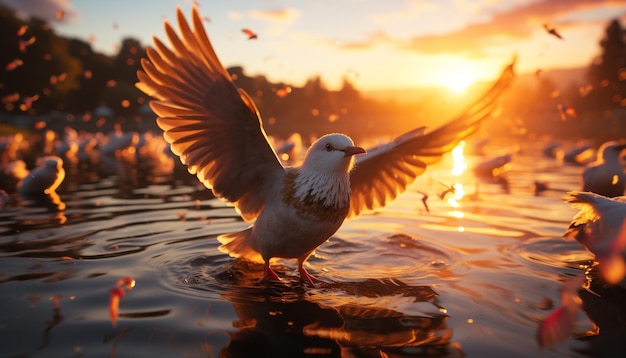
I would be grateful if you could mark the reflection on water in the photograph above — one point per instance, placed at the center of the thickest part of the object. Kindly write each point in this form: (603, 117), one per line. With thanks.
(472, 276)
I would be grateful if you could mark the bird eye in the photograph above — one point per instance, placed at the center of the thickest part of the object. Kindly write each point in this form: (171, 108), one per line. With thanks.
(328, 147)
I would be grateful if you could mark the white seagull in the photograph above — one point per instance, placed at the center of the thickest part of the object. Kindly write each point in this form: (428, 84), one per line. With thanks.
(45, 178)
(216, 130)
(600, 226)
(606, 175)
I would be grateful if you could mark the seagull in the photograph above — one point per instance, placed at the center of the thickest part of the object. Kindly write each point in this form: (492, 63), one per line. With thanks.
(550, 150)
(217, 131)
(251, 34)
(581, 155)
(552, 31)
(606, 175)
(600, 226)
(493, 167)
(45, 178)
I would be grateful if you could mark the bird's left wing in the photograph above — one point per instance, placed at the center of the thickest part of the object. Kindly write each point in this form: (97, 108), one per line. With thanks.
(213, 126)
(387, 170)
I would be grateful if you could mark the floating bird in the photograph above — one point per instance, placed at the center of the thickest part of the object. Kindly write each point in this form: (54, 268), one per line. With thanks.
(478, 147)
(45, 178)
(251, 34)
(552, 31)
(493, 167)
(600, 226)
(551, 149)
(216, 130)
(118, 143)
(581, 154)
(606, 175)
(12, 173)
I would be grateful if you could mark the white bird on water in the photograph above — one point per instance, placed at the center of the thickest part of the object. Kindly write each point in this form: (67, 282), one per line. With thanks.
(600, 226)
(45, 178)
(606, 175)
(216, 130)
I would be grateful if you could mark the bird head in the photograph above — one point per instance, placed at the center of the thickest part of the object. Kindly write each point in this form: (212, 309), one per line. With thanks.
(611, 150)
(332, 153)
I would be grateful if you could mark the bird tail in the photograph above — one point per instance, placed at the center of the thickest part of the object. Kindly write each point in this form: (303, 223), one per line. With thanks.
(239, 244)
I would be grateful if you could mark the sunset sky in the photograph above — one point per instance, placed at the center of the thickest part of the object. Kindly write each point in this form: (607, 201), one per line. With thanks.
(375, 44)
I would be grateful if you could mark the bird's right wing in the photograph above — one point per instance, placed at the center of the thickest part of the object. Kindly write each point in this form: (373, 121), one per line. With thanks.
(387, 170)
(213, 126)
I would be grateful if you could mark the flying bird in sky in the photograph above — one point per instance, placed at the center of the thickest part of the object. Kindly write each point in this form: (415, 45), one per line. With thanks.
(216, 130)
(552, 31)
(251, 34)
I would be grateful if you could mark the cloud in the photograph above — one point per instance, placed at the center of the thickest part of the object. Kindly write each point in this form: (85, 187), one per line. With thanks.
(285, 16)
(515, 24)
(496, 27)
(43, 9)
(235, 15)
(278, 20)
(373, 40)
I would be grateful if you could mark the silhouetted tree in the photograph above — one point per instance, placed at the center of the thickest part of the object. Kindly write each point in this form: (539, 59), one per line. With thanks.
(607, 76)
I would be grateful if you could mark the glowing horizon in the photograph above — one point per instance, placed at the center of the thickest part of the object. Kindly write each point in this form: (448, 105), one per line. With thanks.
(374, 45)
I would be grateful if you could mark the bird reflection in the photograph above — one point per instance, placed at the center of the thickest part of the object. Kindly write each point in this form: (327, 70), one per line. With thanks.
(279, 320)
(605, 305)
(51, 201)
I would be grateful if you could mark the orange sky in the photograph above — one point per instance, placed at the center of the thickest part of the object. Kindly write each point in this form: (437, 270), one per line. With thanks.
(375, 44)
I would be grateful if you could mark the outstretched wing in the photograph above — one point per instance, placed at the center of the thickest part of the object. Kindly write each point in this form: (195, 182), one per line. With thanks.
(387, 170)
(213, 126)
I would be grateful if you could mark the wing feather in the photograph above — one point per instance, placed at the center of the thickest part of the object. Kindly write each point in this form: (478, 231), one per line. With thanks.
(213, 126)
(387, 170)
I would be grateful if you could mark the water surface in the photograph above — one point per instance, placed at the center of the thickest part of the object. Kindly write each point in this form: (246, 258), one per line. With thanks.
(471, 277)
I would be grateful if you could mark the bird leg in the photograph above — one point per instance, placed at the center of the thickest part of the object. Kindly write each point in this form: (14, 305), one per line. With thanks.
(269, 274)
(304, 274)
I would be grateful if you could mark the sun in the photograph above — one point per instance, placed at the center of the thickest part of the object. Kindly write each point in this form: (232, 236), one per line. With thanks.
(458, 81)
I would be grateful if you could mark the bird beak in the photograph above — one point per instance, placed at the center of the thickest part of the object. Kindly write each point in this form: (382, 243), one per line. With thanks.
(350, 151)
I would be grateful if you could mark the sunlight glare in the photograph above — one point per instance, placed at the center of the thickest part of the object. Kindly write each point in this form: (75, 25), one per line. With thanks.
(458, 166)
(457, 81)
(459, 192)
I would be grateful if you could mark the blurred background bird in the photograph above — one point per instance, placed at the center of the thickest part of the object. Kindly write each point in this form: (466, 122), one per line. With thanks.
(606, 175)
(45, 178)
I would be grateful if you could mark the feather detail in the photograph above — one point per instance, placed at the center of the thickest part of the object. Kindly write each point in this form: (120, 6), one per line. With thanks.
(317, 196)
(239, 244)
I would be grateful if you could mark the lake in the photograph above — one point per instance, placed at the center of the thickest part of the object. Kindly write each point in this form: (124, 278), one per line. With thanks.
(470, 276)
